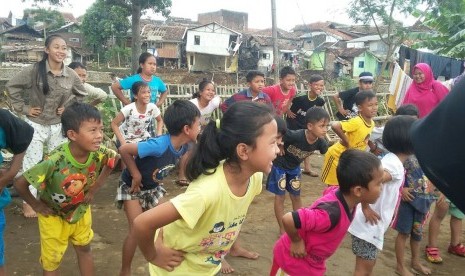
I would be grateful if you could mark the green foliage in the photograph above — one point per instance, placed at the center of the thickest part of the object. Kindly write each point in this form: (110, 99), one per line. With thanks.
(51, 19)
(118, 55)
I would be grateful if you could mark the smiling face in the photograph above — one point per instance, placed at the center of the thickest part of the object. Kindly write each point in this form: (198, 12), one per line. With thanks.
(369, 108)
(418, 76)
(89, 137)
(316, 87)
(56, 50)
(143, 95)
(208, 92)
(261, 156)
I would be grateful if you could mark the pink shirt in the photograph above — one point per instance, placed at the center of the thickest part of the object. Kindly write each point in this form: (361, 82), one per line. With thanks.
(323, 227)
(277, 97)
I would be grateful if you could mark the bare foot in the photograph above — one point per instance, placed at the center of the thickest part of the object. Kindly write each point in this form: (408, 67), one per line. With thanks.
(239, 251)
(421, 269)
(403, 272)
(28, 212)
(226, 268)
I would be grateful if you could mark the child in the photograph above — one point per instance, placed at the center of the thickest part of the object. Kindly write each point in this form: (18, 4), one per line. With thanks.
(67, 181)
(313, 234)
(15, 135)
(295, 116)
(139, 188)
(281, 94)
(298, 144)
(206, 101)
(372, 220)
(137, 117)
(41, 92)
(354, 133)
(256, 82)
(145, 73)
(196, 229)
(94, 95)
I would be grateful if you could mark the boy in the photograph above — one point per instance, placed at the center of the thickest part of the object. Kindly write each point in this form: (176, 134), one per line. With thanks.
(345, 100)
(354, 133)
(15, 135)
(67, 181)
(298, 144)
(95, 95)
(313, 234)
(140, 185)
(281, 94)
(256, 82)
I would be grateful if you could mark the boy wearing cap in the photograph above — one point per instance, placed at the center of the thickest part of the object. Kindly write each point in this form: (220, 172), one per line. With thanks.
(345, 100)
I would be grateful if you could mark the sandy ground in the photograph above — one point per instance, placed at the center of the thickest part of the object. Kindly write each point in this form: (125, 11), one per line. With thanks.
(259, 233)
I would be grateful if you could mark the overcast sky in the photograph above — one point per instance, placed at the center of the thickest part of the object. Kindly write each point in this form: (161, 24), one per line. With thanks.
(289, 12)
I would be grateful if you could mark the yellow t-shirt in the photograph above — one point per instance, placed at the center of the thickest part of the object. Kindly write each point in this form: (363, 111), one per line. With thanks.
(357, 131)
(212, 217)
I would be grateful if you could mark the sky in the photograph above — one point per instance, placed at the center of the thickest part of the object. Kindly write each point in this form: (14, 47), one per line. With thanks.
(289, 12)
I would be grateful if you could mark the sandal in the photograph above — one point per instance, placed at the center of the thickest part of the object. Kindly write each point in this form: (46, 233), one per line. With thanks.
(433, 255)
(310, 173)
(458, 250)
(182, 182)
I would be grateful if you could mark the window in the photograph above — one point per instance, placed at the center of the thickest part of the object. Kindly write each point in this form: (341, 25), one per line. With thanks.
(266, 56)
(361, 64)
(196, 39)
(191, 60)
(74, 39)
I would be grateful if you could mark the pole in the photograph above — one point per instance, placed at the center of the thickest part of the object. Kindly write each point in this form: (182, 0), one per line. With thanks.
(274, 25)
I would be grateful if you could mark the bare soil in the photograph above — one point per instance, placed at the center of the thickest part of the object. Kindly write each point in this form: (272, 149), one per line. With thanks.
(259, 233)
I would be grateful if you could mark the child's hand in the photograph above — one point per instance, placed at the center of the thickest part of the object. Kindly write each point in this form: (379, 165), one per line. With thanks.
(135, 186)
(406, 195)
(298, 249)
(290, 114)
(42, 208)
(371, 216)
(166, 258)
(60, 110)
(34, 111)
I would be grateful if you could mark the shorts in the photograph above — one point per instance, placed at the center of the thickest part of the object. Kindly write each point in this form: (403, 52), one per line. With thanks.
(56, 233)
(454, 211)
(328, 173)
(2, 241)
(280, 180)
(364, 249)
(409, 221)
(148, 199)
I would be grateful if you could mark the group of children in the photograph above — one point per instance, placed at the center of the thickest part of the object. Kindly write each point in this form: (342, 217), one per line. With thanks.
(191, 233)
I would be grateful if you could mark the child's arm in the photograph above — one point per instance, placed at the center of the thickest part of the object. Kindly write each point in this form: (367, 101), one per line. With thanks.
(371, 216)
(159, 125)
(145, 226)
(337, 128)
(162, 98)
(118, 91)
(113, 158)
(297, 244)
(7, 175)
(128, 151)
(115, 123)
(21, 186)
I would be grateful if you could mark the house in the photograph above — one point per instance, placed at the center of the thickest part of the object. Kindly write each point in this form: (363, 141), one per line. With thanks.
(6, 22)
(371, 42)
(212, 47)
(315, 34)
(21, 44)
(230, 19)
(19, 34)
(165, 42)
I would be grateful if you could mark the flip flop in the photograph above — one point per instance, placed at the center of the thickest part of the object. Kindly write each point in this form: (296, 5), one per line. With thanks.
(182, 182)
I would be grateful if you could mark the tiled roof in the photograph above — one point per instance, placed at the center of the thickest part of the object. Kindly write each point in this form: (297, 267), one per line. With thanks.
(283, 44)
(162, 33)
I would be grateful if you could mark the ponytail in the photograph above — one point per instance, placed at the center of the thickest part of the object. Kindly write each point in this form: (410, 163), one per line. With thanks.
(202, 86)
(42, 66)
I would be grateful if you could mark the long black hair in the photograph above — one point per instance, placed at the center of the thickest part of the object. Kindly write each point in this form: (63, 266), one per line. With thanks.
(242, 123)
(41, 65)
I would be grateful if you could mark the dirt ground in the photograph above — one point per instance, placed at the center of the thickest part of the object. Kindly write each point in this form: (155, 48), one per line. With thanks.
(258, 233)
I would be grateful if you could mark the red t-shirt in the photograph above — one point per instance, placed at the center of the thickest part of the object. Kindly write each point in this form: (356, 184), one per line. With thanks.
(278, 99)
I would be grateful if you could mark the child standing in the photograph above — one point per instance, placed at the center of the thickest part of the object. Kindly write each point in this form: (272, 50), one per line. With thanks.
(95, 95)
(196, 229)
(206, 101)
(295, 116)
(145, 73)
(281, 94)
(15, 135)
(313, 234)
(41, 92)
(139, 188)
(354, 133)
(298, 144)
(256, 82)
(67, 182)
(372, 220)
(137, 117)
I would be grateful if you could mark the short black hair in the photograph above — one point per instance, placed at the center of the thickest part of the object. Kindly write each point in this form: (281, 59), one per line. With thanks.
(252, 74)
(77, 113)
(356, 168)
(286, 70)
(179, 114)
(76, 64)
(315, 114)
(315, 78)
(407, 109)
(282, 127)
(396, 134)
(362, 96)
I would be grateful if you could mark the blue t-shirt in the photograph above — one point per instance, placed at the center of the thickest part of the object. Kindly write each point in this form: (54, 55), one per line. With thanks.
(156, 158)
(156, 85)
(4, 195)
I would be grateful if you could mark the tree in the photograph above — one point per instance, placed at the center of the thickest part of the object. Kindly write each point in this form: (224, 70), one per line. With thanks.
(382, 13)
(51, 19)
(103, 22)
(136, 7)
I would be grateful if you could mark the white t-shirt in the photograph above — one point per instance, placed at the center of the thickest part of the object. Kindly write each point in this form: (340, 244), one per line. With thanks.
(136, 125)
(207, 112)
(385, 206)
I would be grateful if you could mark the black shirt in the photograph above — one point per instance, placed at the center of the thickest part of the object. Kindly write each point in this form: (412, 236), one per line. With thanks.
(348, 103)
(299, 107)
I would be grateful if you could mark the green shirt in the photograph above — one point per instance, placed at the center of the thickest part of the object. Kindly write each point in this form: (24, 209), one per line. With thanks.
(63, 183)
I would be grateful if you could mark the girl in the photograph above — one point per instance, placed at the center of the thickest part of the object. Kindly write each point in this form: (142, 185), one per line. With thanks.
(145, 73)
(50, 87)
(371, 221)
(206, 100)
(196, 229)
(137, 117)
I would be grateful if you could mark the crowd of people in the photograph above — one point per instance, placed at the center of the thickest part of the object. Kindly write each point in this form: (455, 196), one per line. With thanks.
(373, 179)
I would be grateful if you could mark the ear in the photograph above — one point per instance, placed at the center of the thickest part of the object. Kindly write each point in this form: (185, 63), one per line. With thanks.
(357, 191)
(242, 151)
(71, 134)
(309, 126)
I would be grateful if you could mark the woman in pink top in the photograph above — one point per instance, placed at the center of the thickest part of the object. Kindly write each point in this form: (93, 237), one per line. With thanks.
(425, 92)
